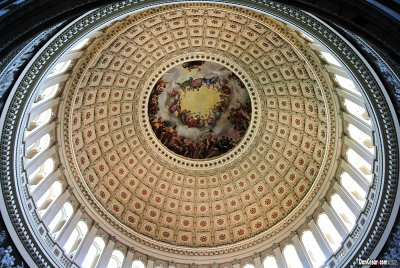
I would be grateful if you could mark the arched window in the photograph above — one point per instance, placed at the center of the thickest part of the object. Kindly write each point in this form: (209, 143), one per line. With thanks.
(47, 93)
(249, 266)
(313, 250)
(347, 216)
(60, 219)
(94, 253)
(360, 137)
(76, 237)
(39, 120)
(38, 147)
(359, 163)
(329, 58)
(291, 257)
(40, 173)
(59, 68)
(49, 197)
(270, 262)
(352, 187)
(357, 111)
(137, 264)
(329, 231)
(116, 260)
(346, 83)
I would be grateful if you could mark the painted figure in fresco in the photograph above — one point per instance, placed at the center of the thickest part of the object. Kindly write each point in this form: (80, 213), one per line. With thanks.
(191, 65)
(231, 110)
(210, 81)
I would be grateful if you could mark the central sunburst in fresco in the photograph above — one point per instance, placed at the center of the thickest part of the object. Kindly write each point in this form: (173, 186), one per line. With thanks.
(199, 109)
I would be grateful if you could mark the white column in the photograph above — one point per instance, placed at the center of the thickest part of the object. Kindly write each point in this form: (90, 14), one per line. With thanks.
(85, 245)
(54, 208)
(42, 107)
(347, 199)
(280, 260)
(355, 174)
(358, 123)
(128, 259)
(317, 47)
(71, 55)
(363, 152)
(106, 255)
(43, 186)
(36, 135)
(337, 70)
(31, 165)
(321, 239)
(351, 96)
(150, 263)
(54, 80)
(301, 251)
(336, 221)
(257, 260)
(70, 226)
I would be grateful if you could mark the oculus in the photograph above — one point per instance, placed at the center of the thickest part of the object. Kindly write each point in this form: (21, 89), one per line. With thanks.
(199, 109)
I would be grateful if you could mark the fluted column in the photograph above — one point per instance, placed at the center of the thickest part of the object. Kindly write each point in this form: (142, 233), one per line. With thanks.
(128, 259)
(280, 260)
(41, 189)
(301, 251)
(336, 221)
(236, 263)
(350, 202)
(150, 263)
(31, 165)
(70, 226)
(171, 264)
(37, 134)
(360, 150)
(106, 255)
(54, 208)
(320, 238)
(85, 245)
(355, 174)
(257, 260)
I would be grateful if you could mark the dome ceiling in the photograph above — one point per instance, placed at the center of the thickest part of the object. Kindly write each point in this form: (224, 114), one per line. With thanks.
(253, 70)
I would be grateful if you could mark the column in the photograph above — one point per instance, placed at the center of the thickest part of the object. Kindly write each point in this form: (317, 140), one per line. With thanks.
(280, 260)
(351, 96)
(320, 238)
(54, 80)
(36, 135)
(257, 260)
(364, 153)
(301, 251)
(334, 218)
(364, 127)
(355, 174)
(31, 165)
(70, 226)
(347, 199)
(236, 263)
(150, 263)
(71, 55)
(106, 255)
(42, 107)
(43, 186)
(86, 243)
(337, 70)
(171, 264)
(128, 258)
(54, 208)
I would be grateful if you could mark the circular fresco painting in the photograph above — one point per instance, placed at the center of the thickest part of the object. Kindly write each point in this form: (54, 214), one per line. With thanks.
(199, 109)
